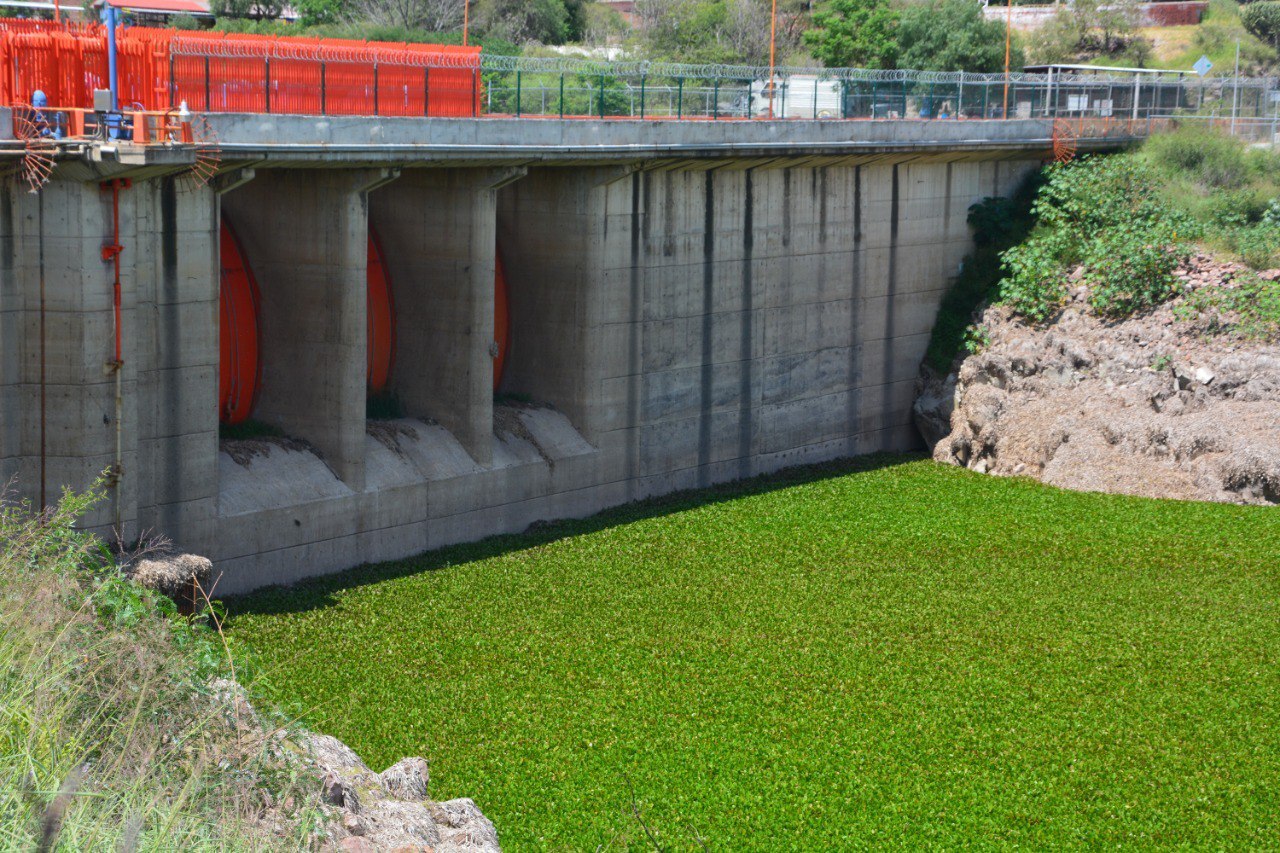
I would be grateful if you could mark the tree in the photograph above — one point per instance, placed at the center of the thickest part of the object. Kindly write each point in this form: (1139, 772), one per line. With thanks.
(257, 9)
(313, 12)
(1262, 20)
(952, 35)
(432, 15)
(602, 25)
(520, 21)
(855, 33)
(1084, 29)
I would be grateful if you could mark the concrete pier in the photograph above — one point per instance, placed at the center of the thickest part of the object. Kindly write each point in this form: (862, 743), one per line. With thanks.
(691, 303)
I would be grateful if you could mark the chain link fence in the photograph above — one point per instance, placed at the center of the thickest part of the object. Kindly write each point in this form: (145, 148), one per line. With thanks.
(565, 87)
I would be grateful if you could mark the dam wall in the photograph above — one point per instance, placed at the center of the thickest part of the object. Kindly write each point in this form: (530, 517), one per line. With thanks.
(679, 313)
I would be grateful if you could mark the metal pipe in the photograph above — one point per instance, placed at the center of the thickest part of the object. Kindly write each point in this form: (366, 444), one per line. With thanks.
(112, 79)
(111, 253)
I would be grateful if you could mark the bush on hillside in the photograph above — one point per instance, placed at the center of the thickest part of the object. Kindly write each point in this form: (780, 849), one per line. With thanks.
(111, 735)
(1208, 156)
(1258, 245)
(1262, 20)
(1105, 214)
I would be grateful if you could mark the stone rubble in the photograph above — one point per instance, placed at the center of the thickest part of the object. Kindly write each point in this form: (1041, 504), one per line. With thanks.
(1159, 404)
(368, 812)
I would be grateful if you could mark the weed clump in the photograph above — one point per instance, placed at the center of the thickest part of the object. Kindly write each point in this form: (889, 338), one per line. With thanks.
(114, 731)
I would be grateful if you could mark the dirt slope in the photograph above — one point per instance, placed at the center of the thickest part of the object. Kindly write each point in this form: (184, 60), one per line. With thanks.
(1173, 403)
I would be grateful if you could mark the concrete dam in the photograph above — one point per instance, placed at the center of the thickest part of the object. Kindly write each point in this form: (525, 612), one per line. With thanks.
(552, 317)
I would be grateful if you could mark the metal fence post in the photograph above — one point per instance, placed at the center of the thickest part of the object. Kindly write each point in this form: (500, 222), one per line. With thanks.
(601, 96)
(375, 88)
(426, 90)
(679, 97)
(208, 101)
(323, 86)
(715, 104)
(266, 84)
(517, 93)
(561, 94)
(642, 87)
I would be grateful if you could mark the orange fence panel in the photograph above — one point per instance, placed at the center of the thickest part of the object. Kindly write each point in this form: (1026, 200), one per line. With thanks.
(237, 72)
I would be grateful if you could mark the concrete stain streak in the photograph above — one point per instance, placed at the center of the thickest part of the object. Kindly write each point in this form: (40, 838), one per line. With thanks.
(708, 319)
(745, 425)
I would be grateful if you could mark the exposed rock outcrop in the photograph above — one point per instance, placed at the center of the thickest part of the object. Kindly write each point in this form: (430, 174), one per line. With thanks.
(363, 811)
(1164, 404)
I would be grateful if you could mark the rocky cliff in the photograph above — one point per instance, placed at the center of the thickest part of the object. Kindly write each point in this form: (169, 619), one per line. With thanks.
(1179, 402)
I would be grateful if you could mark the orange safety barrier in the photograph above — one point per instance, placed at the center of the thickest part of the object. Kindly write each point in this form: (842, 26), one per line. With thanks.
(501, 320)
(239, 335)
(237, 72)
(381, 318)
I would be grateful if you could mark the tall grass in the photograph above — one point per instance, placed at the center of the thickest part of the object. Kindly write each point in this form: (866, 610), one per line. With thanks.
(112, 735)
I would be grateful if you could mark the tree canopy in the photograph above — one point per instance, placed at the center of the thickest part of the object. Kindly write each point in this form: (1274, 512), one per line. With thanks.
(859, 33)
(952, 35)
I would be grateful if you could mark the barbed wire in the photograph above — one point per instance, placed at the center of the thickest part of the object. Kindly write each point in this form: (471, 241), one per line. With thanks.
(643, 69)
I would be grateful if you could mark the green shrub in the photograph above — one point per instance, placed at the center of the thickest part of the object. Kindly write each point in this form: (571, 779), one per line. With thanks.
(1207, 156)
(1236, 208)
(1107, 214)
(1262, 20)
(1131, 269)
(1254, 301)
(1271, 216)
(1036, 280)
(1258, 246)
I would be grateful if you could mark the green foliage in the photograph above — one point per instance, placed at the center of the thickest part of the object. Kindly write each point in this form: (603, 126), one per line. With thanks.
(314, 12)
(976, 339)
(1107, 214)
(997, 224)
(1252, 307)
(1258, 245)
(184, 22)
(952, 35)
(520, 21)
(1271, 216)
(1262, 20)
(1228, 189)
(1130, 268)
(365, 31)
(1208, 156)
(106, 696)
(1036, 280)
(821, 661)
(860, 33)
(255, 9)
(1088, 29)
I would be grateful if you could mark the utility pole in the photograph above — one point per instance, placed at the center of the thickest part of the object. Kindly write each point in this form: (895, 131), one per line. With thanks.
(1008, 35)
(773, 47)
(1235, 94)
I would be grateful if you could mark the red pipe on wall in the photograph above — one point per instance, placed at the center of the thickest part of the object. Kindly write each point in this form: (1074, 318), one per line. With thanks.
(111, 254)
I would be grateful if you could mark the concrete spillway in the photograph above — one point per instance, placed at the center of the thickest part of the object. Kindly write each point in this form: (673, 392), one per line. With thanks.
(689, 304)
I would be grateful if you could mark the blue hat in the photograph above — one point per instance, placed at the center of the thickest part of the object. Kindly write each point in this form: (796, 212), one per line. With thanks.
(39, 99)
